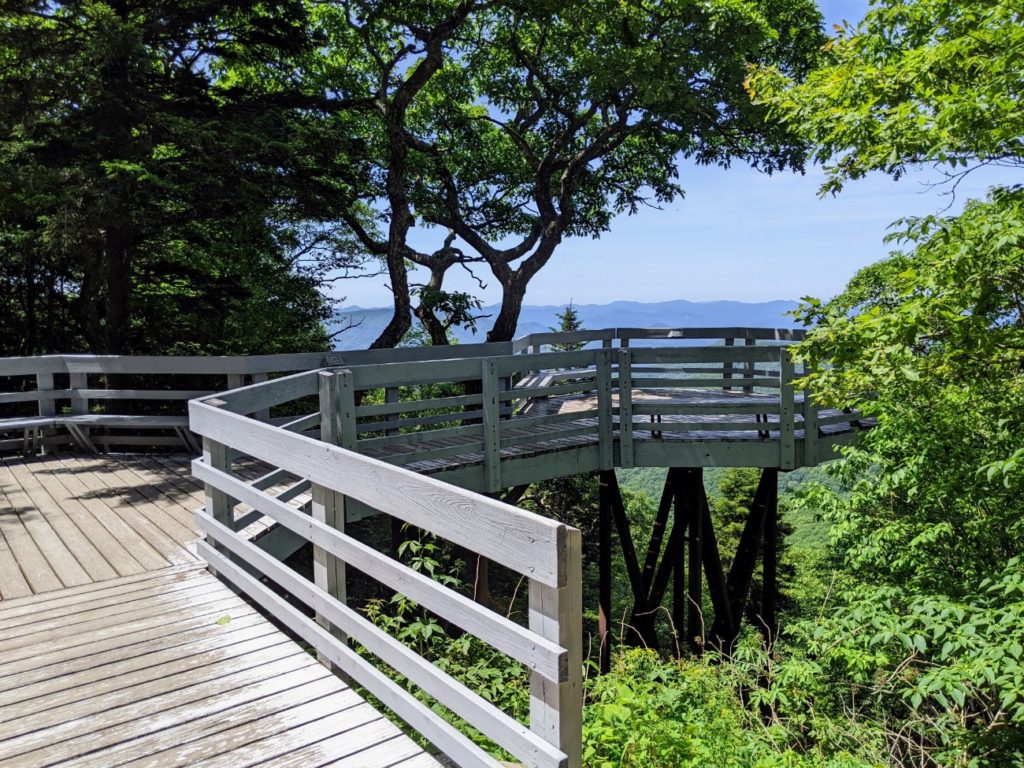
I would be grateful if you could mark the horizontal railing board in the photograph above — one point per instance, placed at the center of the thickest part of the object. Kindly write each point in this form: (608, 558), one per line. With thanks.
(643, 355)
(266, 394)
(428, 723)
(764, 334)
(646, 408)
(528, 544)
(422, 421)
(141, 394)
(545, 361)
(192, 364)
(415, 406)
(345, 358)
(414, 374)
(705, 426)
(640, 382)
(35, 395)
(504, 730)
(300, 423)
(29, 366)
(537, 653)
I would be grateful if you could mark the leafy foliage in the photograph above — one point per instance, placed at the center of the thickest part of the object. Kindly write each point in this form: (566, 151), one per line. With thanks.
(916, 82)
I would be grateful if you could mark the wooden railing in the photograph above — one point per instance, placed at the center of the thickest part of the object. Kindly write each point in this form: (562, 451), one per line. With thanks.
(426, 414)
(422, 407)
(101, 401)
(543, 551)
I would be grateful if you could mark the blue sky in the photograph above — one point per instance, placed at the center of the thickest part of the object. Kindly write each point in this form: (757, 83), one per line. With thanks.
(737, 235)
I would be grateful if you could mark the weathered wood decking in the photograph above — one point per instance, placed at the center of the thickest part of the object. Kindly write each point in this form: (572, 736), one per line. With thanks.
(118, 648)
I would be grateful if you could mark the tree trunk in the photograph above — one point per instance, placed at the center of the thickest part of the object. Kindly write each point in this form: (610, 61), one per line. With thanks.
(512, 293)
(117, 264)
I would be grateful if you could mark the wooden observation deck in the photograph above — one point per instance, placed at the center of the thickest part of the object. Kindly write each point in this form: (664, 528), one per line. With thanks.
(118, 648)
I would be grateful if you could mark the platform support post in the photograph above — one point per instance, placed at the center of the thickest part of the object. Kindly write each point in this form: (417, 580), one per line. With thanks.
(769, 573)
(604, 571)
(695, 586)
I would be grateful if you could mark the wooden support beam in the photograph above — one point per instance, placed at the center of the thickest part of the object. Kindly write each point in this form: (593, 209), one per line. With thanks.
(658, 531)
(770, 566)
(742, 570)
(724, 624)
(604, 569)
(695, 591)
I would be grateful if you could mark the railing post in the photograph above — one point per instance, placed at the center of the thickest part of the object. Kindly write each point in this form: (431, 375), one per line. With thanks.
(329, 506)
(264, 413)
(44, 383)
(749, 367)
(391, 396)
(76, 383)
(810, 427)
(556, 613)
(727, 367)
(787, 443)
(625, 408)
(46, 407)
(491, 423)
(605, 420)
(218, 504)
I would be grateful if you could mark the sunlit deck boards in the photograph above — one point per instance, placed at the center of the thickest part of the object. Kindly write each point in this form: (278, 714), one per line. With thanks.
(66, 521)
(172, 669)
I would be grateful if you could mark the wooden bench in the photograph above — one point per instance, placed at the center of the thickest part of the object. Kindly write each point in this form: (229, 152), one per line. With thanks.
(77, 425)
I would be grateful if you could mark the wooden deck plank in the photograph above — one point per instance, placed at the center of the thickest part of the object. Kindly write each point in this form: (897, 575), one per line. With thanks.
(163, 687)
(368, 746)
(36, 571)
(18, 659)
(12, 581)
(84, 701)
(147, 705)
(94, 563)
(190, 721)
(144, 522)
(158, 489)
(35, 603)
(254, 745)
(58, 554)
(168, 649)
(167, 635)
(16, 623)
(175, 522)
(175, 464)
(380, 755)
(34, 480)
(100, 619)
(73, 494)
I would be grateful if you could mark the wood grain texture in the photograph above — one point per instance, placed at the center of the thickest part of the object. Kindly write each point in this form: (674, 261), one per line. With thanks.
(196, 677)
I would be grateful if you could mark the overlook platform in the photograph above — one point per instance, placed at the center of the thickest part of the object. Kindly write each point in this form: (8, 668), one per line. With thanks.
(101, 553)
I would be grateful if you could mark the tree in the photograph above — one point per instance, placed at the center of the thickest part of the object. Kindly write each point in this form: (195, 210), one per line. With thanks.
(917, 82)
(149, 204)
(568, 322)
(509, 126)
(930, 342)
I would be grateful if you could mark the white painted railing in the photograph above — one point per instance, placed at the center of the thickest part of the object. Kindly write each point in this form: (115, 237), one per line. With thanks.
(547, 553)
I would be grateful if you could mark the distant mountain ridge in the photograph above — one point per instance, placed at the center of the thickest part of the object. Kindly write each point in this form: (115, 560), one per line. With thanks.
(619, 314)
